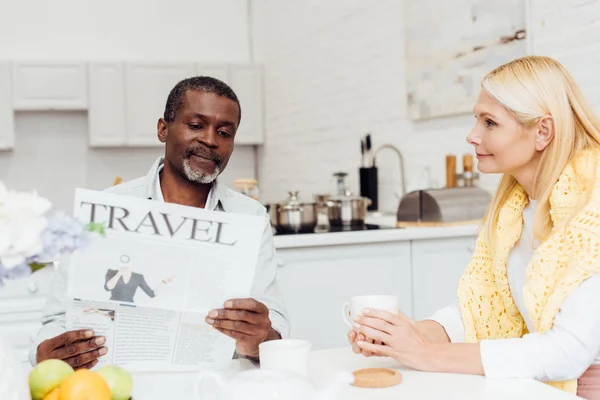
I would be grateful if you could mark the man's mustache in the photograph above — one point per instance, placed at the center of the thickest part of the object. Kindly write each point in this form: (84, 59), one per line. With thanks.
(204, 153)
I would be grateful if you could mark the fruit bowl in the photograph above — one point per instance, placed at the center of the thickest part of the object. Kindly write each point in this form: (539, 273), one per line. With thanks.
(51, 377)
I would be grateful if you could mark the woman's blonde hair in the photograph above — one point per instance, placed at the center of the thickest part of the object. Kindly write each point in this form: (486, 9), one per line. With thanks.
(530, 88)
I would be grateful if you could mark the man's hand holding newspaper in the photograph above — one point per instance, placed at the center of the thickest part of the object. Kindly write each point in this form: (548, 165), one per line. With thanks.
(245, 320)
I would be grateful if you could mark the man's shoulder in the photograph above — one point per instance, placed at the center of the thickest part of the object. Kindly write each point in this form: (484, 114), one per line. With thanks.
(239, 203)
(135, 187)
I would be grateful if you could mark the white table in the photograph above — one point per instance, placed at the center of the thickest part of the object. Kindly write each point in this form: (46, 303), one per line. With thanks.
(324, 364)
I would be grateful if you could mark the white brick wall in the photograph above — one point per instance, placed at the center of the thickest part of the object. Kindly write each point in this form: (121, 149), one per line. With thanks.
(335, 70)
(569, 30)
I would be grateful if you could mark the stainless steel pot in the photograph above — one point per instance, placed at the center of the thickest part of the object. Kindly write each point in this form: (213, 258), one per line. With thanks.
(293, 216)
(347, 211)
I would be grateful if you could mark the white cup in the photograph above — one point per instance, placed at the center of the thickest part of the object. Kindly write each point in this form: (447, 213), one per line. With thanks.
(356, 305)
(285, 355)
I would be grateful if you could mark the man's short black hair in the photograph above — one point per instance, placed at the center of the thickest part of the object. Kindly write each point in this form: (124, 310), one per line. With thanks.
(200, 83)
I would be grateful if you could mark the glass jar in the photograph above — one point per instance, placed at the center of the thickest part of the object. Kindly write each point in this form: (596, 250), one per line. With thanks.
(248, 187)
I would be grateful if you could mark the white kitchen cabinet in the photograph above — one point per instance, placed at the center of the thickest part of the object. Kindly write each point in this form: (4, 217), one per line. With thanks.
(147, 87)
(21, 304)
(106, 116)
(437, 266)
(316, 282)
(247, 83)
(50, 86)
(7, 124)
(124, 100)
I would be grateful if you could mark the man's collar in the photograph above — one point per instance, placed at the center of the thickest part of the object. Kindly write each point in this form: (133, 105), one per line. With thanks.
(216, 197)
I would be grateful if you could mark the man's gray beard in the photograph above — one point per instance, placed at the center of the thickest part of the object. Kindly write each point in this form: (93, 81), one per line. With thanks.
(199, 176)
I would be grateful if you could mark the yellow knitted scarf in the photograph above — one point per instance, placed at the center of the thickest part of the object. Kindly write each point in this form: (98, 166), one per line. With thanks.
(565, 259)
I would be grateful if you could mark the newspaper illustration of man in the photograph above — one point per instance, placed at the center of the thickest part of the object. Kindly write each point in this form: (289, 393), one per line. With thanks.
(123, 283)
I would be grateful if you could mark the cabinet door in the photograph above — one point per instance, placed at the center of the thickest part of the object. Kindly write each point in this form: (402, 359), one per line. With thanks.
(316, 282)
(106, 114)
(247, 82)
(147, 89)
(437, 266)
(50, 86)
(7, 125)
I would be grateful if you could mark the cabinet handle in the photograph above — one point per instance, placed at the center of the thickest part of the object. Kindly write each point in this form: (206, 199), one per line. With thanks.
(32, 288)
(471, 248)
(279, 262)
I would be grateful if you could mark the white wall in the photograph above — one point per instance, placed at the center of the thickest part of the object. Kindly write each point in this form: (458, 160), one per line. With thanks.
(335, 70)
(182, 30)
(51, 152)
(569, 31)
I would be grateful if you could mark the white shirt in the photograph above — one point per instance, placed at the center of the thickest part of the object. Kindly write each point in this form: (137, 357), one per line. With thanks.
(562, 353)
(264, 287)
(212, 202)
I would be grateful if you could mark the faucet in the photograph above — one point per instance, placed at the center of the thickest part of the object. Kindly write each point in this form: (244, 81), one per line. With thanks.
(400, 160)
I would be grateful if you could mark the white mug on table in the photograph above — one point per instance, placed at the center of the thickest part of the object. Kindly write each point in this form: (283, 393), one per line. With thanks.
(290, 355)
(354, 308)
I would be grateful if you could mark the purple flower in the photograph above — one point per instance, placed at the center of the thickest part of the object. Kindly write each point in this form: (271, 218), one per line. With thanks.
(62, 235)
(13, 273)
(31, 234)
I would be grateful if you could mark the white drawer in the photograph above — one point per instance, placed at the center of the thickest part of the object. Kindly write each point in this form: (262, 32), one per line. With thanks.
(21, 318)
(17, 306)
(35, 285)
(19, 334)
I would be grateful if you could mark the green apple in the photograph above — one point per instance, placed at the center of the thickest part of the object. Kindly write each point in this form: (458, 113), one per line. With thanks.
(46, 376)
(119, 381)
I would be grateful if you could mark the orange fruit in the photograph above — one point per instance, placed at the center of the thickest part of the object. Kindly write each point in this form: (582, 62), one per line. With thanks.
(53, 395)
(84, 385)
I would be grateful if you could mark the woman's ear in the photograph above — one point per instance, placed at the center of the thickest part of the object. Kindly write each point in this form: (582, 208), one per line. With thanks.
(545, 133)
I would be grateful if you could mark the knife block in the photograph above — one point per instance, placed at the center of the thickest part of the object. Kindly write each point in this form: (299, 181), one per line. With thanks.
(369, 187)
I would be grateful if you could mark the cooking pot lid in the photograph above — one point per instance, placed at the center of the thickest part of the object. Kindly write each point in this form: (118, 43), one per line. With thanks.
(292, 202)
(347, 196)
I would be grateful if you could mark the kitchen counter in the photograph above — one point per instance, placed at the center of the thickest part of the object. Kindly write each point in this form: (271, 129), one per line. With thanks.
(325, 364)
(318, 272)
(385, 234)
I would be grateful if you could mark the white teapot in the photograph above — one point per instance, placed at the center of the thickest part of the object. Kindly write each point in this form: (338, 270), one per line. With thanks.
(260, 384)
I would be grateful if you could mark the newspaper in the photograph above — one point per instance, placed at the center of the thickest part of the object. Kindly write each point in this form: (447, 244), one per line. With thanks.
(149, 283)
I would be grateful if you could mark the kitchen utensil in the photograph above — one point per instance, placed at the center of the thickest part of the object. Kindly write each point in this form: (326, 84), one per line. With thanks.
(321, 201)
(369, 186)
(293, 215)
(362, 153)
(346, 210)
(370, 160)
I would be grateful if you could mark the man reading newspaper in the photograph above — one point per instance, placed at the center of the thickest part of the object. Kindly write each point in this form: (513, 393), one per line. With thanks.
(198, 129)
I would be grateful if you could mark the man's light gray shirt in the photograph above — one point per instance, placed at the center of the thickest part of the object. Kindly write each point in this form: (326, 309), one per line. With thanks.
(264, 288)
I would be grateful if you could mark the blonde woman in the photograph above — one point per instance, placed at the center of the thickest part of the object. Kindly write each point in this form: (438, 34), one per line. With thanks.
(529, 301)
